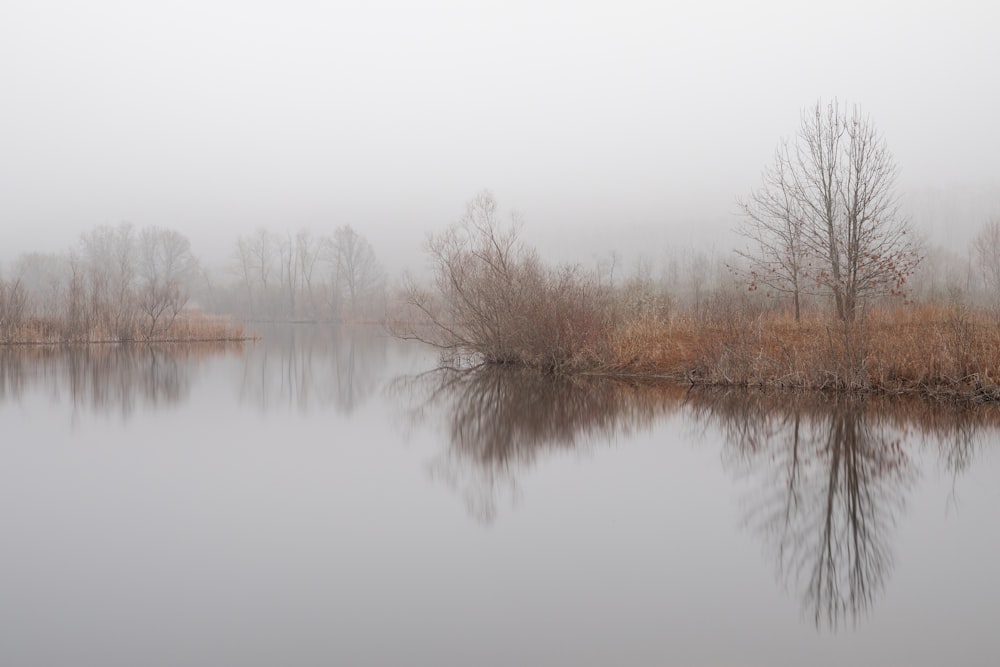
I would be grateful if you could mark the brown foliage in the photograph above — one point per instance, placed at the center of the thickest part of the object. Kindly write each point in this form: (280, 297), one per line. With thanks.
(493, 300)
(947, 351)
(185, 327)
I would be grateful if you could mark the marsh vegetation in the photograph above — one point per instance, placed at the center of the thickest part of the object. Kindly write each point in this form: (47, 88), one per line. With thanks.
(831, 291)
(494, 301)
(828, 294)
(316, 455)
(830, 473)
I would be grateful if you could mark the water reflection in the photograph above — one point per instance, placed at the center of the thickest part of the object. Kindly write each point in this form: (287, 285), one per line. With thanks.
(826, 479)
(301, 367)
(499, 421)
(104, 378)
(307, 366)
(833, 475)
(829, 475)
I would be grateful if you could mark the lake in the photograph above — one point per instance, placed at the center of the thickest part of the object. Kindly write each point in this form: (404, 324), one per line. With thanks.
(324, 496)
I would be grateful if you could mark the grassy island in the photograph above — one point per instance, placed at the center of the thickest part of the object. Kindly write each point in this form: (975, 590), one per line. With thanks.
(185, 327)
(493, 301)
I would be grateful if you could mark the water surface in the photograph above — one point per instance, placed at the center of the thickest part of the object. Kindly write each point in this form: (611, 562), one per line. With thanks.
(324, 497)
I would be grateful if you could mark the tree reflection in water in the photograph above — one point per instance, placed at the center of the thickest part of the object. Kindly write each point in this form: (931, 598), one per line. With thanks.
(835, 472)
(105, 378)
(300, 366)
(305, 366)
(832, 471)
(500, 420)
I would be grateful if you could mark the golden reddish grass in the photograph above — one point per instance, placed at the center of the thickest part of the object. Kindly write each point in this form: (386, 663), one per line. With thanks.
(936, 347)
(198, 327)
(187, 327)
(932, 349)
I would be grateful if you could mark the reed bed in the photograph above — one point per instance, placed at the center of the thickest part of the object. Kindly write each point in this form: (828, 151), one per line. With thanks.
(936, 350)
(185, 328)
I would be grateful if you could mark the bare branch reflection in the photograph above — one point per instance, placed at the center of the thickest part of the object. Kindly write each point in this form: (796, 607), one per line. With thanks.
(313, 366)
(834, 475)
(500, 421)
(105, 378)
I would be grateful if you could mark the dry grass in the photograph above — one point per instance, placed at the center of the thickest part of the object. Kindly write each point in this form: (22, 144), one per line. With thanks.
(939, 350)
(197, 327)
(186, 328)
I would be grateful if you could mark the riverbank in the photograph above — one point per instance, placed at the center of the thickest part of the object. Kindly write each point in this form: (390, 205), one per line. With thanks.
(184, 328)
(946, 352)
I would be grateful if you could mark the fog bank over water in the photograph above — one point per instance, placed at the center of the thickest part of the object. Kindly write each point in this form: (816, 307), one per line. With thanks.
(632, 125)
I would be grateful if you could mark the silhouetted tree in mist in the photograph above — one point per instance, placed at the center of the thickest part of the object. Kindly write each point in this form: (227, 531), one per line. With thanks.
(166, 267)
(986, 246)
(358, 279)
(826, 215)
(303, 276)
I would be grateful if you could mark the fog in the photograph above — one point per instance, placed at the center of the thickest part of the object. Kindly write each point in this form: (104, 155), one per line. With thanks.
(628, 126)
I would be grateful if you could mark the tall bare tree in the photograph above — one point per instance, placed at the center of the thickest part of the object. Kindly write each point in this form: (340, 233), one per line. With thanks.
(13, 305)
(288, 274)
(254, 264)
(308, 248)
(773, 224)
(243, 267)
(45, 276)
(827, 211)
(165, 267)
(356, 271)
(109, 261)
(987, 249)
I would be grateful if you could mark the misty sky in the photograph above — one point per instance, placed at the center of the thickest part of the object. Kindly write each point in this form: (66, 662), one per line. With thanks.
(609, 125)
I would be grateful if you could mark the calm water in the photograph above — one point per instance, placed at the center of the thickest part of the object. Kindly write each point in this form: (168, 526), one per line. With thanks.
(322, 498)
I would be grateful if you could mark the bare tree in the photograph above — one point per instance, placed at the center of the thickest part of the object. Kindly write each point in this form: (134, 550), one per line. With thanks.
(109, 261)
(478, 265)
(77, 321)
(356, 271)
(45, 277)
(987, 248)
(288, 273)
(309, 249)
(827, 211)
(262, 248)
(254, 264)
(13, 306)
(493, 301)
(773, 224)
(243, 267)
(165, 266)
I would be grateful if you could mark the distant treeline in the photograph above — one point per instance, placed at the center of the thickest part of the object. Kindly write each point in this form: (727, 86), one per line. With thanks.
(116, 284)
(302, 276)
(685, 314)
(120, 283)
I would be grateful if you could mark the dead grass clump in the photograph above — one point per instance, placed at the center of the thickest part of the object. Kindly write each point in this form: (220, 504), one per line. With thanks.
(933, 350)
(937, 348)
(199, 327)
(186, 327)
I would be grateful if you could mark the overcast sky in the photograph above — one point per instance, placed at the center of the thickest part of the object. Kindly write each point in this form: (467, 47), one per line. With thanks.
(609, 125)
